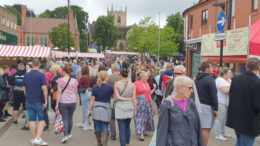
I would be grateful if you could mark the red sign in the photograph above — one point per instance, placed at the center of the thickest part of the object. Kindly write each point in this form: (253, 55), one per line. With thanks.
(224, 45)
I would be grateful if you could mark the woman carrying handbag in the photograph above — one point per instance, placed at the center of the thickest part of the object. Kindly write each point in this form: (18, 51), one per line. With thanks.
(125, 109)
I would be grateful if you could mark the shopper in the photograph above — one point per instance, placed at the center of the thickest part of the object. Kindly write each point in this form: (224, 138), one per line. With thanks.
(244, 104)
(100, 108)
(36, 100)
(179, 122)
(144, 121)
(67, 100)
(125, 109)
(85, 95)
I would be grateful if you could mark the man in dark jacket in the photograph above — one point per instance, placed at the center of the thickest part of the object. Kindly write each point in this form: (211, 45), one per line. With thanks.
(207, 91)
(17, 82)
(244, 104)
(6, 78)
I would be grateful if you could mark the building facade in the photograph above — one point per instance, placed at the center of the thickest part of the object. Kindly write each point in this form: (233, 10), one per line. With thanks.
(201, 19)
(8, 27)
(34, 31)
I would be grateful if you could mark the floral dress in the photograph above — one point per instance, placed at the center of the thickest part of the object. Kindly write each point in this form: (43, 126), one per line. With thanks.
(144, 120)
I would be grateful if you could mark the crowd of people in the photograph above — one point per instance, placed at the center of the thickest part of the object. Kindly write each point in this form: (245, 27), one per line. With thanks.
(135, 89)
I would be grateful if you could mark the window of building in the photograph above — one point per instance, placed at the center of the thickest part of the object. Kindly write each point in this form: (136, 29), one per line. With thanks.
(191, 21)
(233, 8)
(44, 40)
(119, 19)
(15, 26)
(30, 40)
(11, 25)
(3, 20)
(255, 5)
(204, 17)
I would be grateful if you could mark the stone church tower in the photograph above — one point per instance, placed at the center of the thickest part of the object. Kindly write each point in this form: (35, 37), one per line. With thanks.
(120, 16)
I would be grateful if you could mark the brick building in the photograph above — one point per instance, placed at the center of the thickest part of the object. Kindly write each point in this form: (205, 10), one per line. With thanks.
(34, 31)
(201, 20)
(8, 27)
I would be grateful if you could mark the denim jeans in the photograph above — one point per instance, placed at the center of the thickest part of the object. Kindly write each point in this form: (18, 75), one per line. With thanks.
(67, 111)
(34, 110)
(85, 100)
(244, 140)
(124, 131)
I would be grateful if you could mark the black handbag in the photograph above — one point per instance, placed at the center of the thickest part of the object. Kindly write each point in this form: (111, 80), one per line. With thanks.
(82, 90)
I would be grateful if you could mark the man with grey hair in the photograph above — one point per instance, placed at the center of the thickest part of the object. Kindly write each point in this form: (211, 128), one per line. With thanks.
(111, 81)
(179, 70)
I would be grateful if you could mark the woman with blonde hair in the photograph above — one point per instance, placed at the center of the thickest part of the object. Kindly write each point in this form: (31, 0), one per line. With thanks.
(100, 108)
(144, 121)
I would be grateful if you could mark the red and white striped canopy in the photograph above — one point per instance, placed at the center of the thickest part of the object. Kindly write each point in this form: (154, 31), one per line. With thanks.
(91, 55)
(24, 51)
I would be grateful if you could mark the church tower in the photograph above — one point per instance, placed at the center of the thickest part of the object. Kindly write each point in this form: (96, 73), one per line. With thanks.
(120, 16)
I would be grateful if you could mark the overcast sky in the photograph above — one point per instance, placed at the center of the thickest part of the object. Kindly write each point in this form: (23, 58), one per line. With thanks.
(137, 9)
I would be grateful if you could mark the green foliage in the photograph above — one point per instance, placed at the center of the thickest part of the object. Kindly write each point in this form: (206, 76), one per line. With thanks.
(144, 38)
(17, 13)
(106, 34)
(59, 37)
(79, 14)
(176, 21)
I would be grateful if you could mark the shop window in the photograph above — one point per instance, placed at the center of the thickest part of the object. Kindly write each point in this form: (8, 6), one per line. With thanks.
(233, 8)
(255, 5)
(30, 40)
(44, 40)
(205, 17)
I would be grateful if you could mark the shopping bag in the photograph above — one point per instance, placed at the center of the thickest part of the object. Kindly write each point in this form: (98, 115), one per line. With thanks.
(153, 141)
(58, 123)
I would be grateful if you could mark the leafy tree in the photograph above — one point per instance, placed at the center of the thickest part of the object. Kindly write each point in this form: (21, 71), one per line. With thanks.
(144, 38)
(59, 37)
(79, 14)
(17, 13)
(176, 21)
(106, 34)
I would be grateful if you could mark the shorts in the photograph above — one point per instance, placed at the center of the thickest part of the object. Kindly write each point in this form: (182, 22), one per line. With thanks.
(19, 98)
(207, 118)
(34, 110)
(101, 126)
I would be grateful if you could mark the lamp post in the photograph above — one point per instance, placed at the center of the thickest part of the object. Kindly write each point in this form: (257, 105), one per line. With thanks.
(159, 37)
(222, 5)
(68, 27)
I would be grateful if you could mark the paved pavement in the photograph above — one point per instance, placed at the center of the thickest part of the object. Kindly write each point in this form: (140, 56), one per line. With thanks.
(15, 137)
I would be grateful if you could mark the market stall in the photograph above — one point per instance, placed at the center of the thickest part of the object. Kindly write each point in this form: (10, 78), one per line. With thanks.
(254, 43)
(60, 54)
(122, 53)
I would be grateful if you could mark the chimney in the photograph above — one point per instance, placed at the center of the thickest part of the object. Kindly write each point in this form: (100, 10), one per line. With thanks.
(71, 16)
(23, 9)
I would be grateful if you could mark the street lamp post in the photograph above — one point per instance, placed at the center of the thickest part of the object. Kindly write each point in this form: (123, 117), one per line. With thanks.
(68, 27)
(159, 37)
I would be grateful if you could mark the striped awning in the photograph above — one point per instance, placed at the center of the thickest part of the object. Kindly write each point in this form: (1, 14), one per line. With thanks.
(24, 51)
(91, 55)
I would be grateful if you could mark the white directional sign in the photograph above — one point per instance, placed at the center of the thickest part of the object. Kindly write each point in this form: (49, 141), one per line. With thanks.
(220, 36)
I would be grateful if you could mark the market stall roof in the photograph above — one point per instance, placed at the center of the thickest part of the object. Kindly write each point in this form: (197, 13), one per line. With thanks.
(60, 54)
(122, 53)
(255, 39)
(24, 51)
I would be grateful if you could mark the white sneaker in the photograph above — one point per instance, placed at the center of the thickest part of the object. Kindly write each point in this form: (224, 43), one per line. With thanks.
(39, 142)
(81, 125)
(220, 137)
(64, 139)
(86, 128)
(227, 135)
(32, 141)
(90, 127)
(69, 136)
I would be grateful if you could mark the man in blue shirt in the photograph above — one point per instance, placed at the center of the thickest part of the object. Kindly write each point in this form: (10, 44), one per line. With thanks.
(36, 100)
(74, 67)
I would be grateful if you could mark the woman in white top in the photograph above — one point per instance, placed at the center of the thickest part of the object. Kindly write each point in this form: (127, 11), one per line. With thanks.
(223, 85)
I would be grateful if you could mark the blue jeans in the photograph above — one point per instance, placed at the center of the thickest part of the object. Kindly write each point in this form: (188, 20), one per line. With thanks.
(101, 126)
(35, 112)
(244, 140)
(124, 131)
(85, 100)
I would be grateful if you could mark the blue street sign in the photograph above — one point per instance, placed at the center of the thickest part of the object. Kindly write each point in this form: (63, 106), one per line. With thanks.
(221, 21)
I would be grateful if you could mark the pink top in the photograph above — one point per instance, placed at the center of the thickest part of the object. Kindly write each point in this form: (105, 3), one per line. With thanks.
(68, 96)
(48, 76)
(141, 90)
(182, 103)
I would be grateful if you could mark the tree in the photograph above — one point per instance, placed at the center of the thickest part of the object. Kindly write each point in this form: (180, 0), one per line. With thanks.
(80, 15)
(59, 37)
(106, 34)
(176, 21)
(144, 39)
(17, 13)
